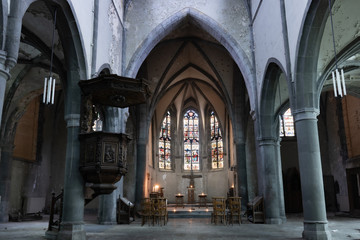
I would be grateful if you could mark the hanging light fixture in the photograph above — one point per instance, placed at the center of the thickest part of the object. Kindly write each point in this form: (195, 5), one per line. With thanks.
(337, 76)
(49, 83)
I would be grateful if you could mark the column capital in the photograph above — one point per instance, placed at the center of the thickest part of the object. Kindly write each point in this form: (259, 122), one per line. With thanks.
(305, 114)
(4, 72)
(268, 141)
(72, 120)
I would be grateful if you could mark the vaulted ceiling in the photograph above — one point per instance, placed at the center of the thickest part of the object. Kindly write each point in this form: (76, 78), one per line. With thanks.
(33, 64)
(189, 68)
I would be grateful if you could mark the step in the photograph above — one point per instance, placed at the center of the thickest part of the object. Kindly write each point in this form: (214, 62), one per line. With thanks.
(189, 212)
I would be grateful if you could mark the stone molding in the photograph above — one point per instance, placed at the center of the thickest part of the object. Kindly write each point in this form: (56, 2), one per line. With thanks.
(72, 120)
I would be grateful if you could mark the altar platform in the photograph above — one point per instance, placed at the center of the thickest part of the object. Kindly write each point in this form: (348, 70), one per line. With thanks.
(195, 210)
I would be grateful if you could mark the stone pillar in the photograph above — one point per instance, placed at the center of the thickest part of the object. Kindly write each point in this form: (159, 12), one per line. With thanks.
(6, 149)
(72, 226)
(115, 122)
(107, 208)
(281, 184)
(4, 76)
(271, 182)
(5, 181)
(241, 173)
(312, 187)
(140, 152)
(140, 171)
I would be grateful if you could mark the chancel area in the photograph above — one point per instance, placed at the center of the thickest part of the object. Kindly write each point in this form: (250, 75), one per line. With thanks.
(143, 113)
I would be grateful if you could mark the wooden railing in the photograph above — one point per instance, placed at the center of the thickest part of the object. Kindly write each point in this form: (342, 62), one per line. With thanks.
(54, 225)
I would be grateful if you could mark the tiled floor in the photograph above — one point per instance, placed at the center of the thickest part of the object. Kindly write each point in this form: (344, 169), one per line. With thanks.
(187, 229)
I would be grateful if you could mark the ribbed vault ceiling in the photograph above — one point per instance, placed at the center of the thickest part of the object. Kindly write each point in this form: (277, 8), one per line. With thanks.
(189, 68)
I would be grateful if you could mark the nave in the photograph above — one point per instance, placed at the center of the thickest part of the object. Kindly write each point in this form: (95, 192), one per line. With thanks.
(341, 227)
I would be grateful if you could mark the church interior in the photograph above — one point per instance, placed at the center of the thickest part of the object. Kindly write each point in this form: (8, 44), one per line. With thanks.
(188, 101)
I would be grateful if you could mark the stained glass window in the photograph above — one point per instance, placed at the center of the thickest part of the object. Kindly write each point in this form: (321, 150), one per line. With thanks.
(165, 143)
(217, 153)
(287, 124)
(191, 141)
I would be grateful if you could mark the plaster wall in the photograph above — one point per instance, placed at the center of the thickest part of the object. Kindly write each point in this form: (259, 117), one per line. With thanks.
(268, 38)
(84, 16)
(104, 37)
(142, 17)
(251, 164)
(295, 16)
(337, 164)
(19, 173)
(40, 178)
(115, 45)
(255, 5)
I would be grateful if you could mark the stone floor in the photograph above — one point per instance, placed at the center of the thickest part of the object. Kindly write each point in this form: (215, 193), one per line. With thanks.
(341, 227)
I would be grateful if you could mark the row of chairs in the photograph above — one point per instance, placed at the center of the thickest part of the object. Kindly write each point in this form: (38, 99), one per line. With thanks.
(154, 210)
(220, 214)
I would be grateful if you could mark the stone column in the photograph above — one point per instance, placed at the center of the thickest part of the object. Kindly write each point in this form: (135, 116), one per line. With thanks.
(115, 122)
(281, 184)
(5, 181)
(140, 152)
(241, 173)
(312, 187)
(6, 149)
(72, 226)
(4, 76)
(140, 170)
(271, 182)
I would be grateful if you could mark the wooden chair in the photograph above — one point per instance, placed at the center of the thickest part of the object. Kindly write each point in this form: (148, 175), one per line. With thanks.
(234, 213)
(146, 211)
(160, 211)
(219, 210)
(255, 210)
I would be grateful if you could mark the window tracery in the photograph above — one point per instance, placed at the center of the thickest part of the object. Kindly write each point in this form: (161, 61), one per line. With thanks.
(217, 149)
(191, 140)
(165, 143)
(287, 124)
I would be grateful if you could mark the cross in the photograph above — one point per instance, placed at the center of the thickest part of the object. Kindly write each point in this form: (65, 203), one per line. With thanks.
(191, 177)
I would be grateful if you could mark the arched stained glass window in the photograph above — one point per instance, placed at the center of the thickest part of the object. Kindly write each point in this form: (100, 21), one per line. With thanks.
(191, 141)
(217, 149)
(287, 124)
(164, 143)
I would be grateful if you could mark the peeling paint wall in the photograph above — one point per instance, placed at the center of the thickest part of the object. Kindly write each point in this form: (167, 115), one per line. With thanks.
(268, 38)
(346, 20)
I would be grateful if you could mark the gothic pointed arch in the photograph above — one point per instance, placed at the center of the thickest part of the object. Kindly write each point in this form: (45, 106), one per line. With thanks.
(274, 94)
(307, 55)
(211, 27)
